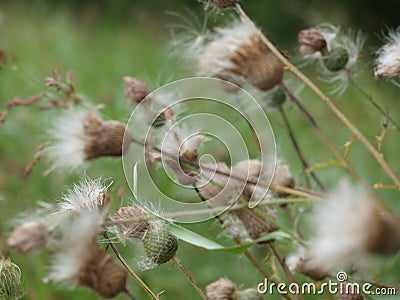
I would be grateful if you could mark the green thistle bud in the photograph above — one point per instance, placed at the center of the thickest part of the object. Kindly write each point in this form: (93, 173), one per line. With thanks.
(336, 60)
(248, 294)
(10, 280)
(159, 244)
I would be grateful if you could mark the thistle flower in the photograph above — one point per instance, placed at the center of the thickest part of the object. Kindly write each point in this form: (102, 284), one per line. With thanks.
(86, 195)
(28, 237)
(239, 52)
(80, 136)
(388, 57)
(10, 280)
(349, 224)
(224, 289)
(135, 90)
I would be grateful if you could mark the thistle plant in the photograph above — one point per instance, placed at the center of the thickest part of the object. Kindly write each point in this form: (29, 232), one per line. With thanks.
(287, 222)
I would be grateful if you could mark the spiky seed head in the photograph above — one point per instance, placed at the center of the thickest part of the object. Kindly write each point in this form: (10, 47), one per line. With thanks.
(277, 97)
(336, 60)
(105, 138)
(135, 90)
(256, 222)
(159, 244)
(135, 229)
(248, 294)
(28, 237)
(10, 280)
(348, 292)
(239, 51)
(224, 3)
(311, 41)
(103, 275)
(222, 289)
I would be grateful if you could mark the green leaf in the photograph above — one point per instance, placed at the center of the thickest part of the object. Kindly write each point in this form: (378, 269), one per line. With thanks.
(200, 241)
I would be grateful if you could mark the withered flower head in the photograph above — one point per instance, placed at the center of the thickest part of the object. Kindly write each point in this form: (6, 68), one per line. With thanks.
(28, 237)
(135, 90)
(311, 41)
(239, 52)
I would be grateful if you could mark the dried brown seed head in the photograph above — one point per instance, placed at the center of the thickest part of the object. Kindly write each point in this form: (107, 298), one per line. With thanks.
(240, 52)
(224, 3)
(135, 229)
(103, 275)
(222, 289)
(28, 237)
(256, 221)
(135, 90)
(311, 41)
(103, 138)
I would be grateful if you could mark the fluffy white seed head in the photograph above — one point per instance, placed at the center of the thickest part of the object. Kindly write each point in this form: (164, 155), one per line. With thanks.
(86, 195)
(75, 248)
(238, 53)
(348, 225)
(388, 57)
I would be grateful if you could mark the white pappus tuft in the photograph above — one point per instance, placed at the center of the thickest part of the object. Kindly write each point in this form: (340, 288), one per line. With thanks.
(388, 56)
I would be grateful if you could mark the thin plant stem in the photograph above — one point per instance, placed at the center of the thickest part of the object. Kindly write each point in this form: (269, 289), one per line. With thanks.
(129, 269)
(378, 157)
(375, 104)
(297, 149)
(189, 277)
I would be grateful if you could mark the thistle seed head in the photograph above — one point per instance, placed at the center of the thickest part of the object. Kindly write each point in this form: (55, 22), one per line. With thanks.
(311, 41)
(135, 90)
(224, 3)
(255, 222)
(336, 60)
(103, 275)
(349, 292)
(132, 229)
(388, 57)
(159, 244)
(28, 237)
(240, 52)
(222, 289)
(104, 138)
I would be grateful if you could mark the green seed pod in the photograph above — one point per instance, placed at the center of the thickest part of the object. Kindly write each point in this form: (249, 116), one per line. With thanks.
(159, 244)
(277, 97)
(248, 294)
(10, 280)
(336, 60)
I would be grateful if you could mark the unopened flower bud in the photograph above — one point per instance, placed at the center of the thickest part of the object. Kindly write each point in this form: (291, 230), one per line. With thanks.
(336, 60)
(159, 244)
(10, 280)
(28, 237)
(311, 41)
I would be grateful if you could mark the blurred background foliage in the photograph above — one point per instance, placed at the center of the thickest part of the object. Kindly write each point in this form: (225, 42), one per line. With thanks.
(102, 41)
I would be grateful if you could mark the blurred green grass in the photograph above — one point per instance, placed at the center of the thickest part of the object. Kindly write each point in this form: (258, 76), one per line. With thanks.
(100, 54)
